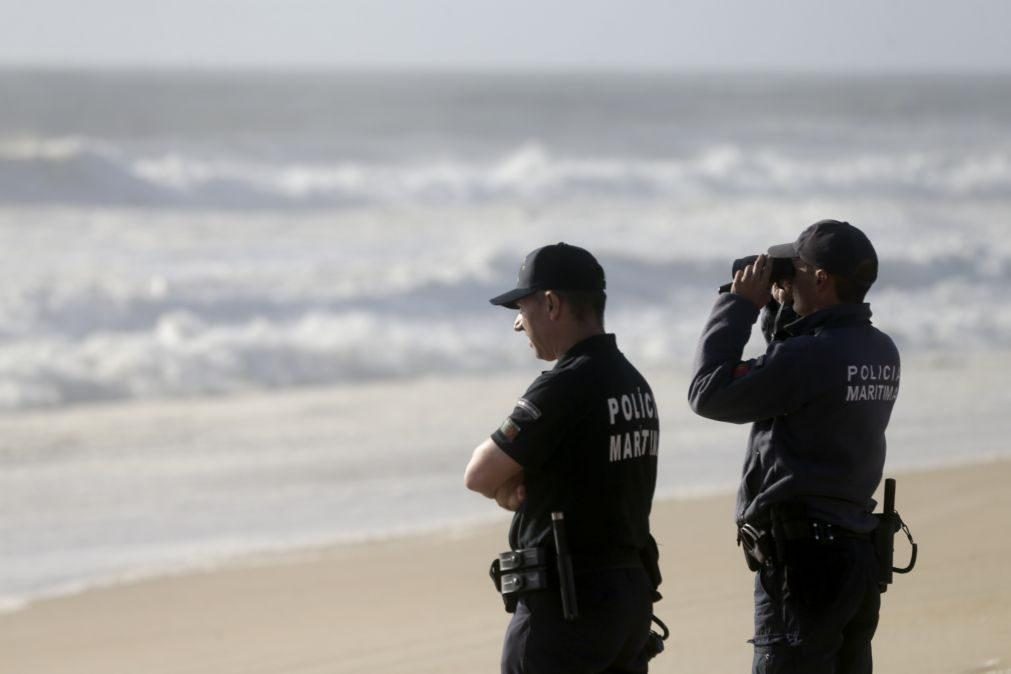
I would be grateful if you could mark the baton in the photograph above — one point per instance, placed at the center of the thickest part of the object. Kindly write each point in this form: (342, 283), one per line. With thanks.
(889, 506)
(566, 581)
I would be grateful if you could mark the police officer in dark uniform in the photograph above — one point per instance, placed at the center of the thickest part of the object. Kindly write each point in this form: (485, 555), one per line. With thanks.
(819, 400)
(581, 442)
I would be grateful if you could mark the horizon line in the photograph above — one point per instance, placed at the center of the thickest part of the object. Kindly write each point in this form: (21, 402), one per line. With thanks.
(485, 69)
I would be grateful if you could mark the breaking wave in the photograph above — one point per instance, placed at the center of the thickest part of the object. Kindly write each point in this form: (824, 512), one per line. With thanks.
(209, 336)
(80, 171)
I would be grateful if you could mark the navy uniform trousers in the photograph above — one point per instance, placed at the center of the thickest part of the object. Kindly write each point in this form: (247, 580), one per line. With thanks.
(817, 612)
(615, 606)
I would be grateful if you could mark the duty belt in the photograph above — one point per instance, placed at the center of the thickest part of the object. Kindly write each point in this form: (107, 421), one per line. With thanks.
(519, 571)
(762, 543)
(762, 540)
(820, 531)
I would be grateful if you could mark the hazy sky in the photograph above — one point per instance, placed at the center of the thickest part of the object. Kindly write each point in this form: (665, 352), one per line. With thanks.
(842, 35)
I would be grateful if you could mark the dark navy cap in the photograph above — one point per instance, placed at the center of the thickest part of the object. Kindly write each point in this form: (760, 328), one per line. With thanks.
(837, 247)
(556, 267)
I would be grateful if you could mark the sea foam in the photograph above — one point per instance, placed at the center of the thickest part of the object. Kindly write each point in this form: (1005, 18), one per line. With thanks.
(277, 285)
(225, 303)
(74, 170)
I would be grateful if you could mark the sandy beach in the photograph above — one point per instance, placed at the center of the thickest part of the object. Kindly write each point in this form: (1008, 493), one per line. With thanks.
(246, 347)
(424, 603)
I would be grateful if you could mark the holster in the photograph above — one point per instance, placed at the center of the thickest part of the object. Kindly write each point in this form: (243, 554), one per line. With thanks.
(889, 522)
(759, 548)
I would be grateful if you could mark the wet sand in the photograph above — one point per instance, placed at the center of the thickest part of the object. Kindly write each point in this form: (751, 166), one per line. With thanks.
(425, 604)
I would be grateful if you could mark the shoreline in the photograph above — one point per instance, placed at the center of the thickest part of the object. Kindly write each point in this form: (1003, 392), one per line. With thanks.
(423, 603)
(166, 488)
(474, 525)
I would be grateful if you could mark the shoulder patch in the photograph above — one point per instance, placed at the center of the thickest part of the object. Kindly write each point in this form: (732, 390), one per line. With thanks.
(529, 408)
(746, 366)
(510, 429)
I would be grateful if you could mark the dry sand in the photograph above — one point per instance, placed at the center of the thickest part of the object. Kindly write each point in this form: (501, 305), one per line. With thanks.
(425, 604)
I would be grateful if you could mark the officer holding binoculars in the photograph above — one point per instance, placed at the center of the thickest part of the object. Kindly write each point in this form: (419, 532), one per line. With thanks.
(819, 401)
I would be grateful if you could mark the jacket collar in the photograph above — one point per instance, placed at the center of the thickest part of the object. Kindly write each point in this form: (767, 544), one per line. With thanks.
(590, 344)
(839, 315)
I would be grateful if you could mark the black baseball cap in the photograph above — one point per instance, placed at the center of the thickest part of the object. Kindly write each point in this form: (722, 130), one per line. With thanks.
(837, 247)
(555, 267)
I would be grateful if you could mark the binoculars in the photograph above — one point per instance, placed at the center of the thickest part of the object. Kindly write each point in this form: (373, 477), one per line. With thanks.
(782, 269)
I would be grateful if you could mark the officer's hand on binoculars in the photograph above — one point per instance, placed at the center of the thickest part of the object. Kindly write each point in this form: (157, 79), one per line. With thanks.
(781, 292)
(753, 282)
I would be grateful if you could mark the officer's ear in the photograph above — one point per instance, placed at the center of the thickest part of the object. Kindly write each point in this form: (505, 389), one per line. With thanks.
(552, 304)
(825, 283)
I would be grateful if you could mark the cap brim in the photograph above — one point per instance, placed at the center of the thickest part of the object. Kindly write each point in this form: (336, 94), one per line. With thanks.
(508, 300)
(783, 250)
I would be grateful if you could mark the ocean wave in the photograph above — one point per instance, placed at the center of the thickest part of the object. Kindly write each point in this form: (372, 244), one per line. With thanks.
(103, 344)
(73, 309)
(184, 355)
(85, 171)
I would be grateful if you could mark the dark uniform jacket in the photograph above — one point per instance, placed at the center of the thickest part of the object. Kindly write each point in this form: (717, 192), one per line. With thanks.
(587, 435)
(820, 401)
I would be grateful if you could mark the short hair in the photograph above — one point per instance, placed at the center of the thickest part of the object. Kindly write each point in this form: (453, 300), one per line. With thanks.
(852, 289)
(585, 303)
